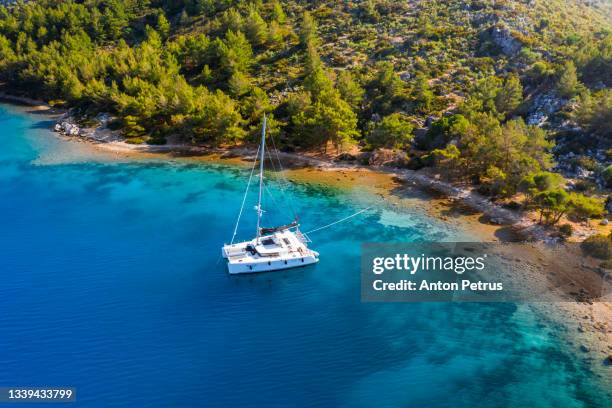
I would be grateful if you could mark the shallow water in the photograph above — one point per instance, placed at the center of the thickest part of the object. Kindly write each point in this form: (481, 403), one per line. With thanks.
(111, 282)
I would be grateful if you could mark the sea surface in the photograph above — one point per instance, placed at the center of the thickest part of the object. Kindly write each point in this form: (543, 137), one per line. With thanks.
(111, 282)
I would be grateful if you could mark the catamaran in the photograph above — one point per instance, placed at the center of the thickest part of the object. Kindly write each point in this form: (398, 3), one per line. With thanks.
(273, 248)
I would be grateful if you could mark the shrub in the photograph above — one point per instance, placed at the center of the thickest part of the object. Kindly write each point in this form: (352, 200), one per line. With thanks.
(566, 230)
(584, 207)
(598, 246)
(584, 186)
(607, 176)
(585, 162)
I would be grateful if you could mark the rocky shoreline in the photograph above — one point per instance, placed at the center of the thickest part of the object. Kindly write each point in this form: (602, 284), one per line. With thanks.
(111, 140)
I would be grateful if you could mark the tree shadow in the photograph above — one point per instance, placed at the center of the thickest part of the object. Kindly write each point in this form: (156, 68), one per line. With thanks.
(510, 233)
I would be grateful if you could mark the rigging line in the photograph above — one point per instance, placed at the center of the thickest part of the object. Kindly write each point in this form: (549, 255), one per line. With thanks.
(245, 196)
(282, 184)
(287, 184)
(267, 190)
(339, 221)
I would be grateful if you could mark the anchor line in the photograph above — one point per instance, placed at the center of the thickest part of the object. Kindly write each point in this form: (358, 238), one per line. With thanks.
(339, 221)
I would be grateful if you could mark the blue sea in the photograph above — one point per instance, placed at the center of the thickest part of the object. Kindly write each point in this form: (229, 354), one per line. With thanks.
(111, 282)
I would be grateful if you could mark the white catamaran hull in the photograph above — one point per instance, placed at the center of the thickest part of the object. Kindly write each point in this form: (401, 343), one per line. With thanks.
(282, 250)
(235, 268)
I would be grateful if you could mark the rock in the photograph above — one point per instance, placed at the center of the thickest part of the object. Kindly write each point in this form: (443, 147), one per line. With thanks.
(345, 157)
(70, 129)
(604, 222)
(67, 128)
(503, 38)
(388, 157)
(584, 348)
(542, 107)
(583, 173)
(497, 221)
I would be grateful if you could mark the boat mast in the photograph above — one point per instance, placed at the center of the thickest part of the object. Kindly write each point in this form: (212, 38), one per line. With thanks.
(261, 171)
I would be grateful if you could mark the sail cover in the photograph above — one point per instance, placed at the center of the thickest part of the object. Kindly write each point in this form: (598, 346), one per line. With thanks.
(277, 229)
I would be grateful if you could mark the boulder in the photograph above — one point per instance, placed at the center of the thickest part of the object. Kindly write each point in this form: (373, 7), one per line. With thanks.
(388, 157)
(71, 129)
(504, 39)
(345, 157)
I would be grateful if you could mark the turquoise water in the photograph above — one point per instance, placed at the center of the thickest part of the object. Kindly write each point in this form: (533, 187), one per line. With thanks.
(111, 283)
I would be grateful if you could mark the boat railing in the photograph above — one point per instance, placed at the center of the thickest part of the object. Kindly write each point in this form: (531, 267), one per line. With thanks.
(302, 237)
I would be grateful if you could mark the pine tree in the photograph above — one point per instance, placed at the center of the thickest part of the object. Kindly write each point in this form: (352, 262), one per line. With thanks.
(422, 94)
(350, 90)
(567, 85)
(393, 131)
(256, 28)
(278, 14)
(235, 53)
(510, 96)
(163, 26)
(308, 31)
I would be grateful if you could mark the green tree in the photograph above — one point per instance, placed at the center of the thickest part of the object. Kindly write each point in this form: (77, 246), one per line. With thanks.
(215, 119)
(236, 54)
(232, 20)
(163, 26)
(536, 182)
(510, 96)
(256, 28)
(567, 84)
(350, 89)
(328, 119)
(386, 88)
(393, 131)
(131, 127)
(275, 34)
(483, 96)
(278, 14)
(317, 79)
(444, 130)
(255, 105)
(552, 205)
(239, 84)
(594, 112)
(448, 159)
(308, 31)
(422, 94)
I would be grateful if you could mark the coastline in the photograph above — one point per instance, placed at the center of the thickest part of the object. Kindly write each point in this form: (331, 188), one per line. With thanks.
(299, 166)
(588, 325)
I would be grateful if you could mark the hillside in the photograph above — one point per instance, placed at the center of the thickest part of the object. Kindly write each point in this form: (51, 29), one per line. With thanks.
(488, 91)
